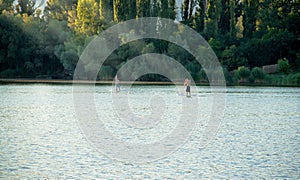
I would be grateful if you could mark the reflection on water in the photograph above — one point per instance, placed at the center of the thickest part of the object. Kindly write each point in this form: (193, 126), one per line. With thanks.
(259, 135)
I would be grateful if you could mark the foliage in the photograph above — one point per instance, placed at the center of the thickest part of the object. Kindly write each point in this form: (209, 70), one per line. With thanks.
(88, 18)
(257, 73)
(283, 79)
(241, 33)
(105, 73)
(201, 76)
(283, 65)
(243, 73)
(296, 78)
(227, 75)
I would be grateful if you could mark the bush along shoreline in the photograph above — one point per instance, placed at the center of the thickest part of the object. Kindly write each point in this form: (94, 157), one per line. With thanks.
(279, 74)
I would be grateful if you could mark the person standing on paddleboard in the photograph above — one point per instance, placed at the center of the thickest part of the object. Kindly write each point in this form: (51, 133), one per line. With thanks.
(187, 83)
(117, 82)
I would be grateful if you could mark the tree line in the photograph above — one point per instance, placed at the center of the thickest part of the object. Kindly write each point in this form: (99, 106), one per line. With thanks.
(48, 43)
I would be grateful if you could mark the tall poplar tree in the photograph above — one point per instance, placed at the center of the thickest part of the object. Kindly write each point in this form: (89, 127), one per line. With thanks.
(213, 14)
(232, 6)
(88, 18)
(106, 10)
(199, 16)
(250, 10)
(143, 8)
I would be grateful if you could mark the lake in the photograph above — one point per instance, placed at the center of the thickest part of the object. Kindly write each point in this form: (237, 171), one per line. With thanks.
(40, 137)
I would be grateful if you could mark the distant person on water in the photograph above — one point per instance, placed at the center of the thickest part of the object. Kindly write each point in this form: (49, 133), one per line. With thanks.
(187, 83)
(117, 83)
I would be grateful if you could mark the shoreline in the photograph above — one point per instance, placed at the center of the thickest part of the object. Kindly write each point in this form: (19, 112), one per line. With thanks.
(83, 82)
(64, 81)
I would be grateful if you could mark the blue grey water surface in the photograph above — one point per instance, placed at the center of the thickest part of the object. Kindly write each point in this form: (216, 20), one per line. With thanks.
(259, 136)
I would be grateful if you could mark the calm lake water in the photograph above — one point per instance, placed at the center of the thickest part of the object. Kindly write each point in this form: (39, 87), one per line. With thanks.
(259, 136)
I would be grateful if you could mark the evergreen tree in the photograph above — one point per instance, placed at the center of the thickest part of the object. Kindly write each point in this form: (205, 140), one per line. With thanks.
(131, 9)
(250, 12)
(167, 9)
(155, 8)
(213, 14)
(185, 10)
(118, 8)
(232, 7)
(224, 24)
(106, 10)
(199, 16)
(88, 18)
(143, 8)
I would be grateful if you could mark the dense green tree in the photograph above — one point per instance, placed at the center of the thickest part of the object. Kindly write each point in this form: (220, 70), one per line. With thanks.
(258, 74)
(232, 7)
(88, 19)
(61, 10)
(143, 8)
(128, 10)
(6, 6)
(199, 16)
(243, 73)
(149, 48)
(213, 14)
(10, 37)
(250, 12)
(106, 10)
(201, 76)
(155, 8)
(167, 9)
(120, 8)
(28, 51)
(224, 23)
(283, 65)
